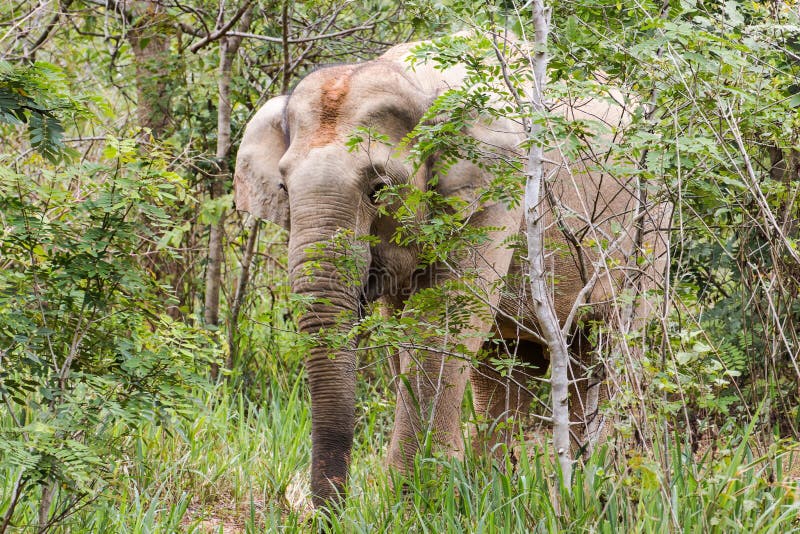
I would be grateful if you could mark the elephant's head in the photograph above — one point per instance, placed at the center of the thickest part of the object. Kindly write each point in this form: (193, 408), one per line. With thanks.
(295, 168)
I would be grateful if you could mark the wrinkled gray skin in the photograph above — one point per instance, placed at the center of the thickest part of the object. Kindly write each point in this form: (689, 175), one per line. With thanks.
(294, 169)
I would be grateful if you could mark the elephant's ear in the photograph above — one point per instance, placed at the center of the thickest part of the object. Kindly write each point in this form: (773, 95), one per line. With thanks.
(257, 184)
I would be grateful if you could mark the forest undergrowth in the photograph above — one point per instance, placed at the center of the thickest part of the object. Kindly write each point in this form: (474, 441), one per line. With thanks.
(151, 367)
(239, 463)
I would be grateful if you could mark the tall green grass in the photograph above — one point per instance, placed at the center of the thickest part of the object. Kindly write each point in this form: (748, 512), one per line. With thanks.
(238, 465)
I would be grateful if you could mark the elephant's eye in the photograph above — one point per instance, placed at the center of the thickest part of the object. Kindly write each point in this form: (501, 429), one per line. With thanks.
(377, 187)
(282, 186)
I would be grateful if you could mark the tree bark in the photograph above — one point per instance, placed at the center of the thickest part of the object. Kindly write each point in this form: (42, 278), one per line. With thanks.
(540, 292)
(150, 38)
(228, 47)
(19, 484)
(48, 492)
(241, 288)
(150, 43)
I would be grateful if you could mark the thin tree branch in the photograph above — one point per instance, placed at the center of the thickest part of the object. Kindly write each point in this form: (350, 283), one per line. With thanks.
(302, 39)
(46, 33)
(19, 484)
(223, 30)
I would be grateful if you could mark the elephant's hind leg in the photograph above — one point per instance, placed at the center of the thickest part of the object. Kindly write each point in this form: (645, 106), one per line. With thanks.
(588, 391)
(502, 398)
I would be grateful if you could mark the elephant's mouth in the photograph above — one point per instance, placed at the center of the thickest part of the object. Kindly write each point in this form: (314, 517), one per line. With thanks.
(378, 282)
(373, 287)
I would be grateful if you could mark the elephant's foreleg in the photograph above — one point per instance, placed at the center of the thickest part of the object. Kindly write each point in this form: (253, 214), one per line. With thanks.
(429, 394)
(432, 382)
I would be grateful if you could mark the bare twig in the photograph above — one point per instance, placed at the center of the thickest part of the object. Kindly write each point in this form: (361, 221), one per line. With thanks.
(223, 29)
(31, 53)
(755, 189)
(19, 484)
(303, 39)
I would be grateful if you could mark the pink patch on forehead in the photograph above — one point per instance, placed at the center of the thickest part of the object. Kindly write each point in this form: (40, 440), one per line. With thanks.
(334, 91)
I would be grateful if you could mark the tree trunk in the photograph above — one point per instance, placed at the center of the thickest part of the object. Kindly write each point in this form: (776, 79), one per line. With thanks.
(241, 288)
(149, 37)
(19, 485)
(253, 223)
(150, 42)
(48, 492)
(540, 292)
(228, 47)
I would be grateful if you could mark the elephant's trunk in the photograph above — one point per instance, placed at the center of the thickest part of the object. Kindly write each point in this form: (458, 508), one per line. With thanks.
(318, 271)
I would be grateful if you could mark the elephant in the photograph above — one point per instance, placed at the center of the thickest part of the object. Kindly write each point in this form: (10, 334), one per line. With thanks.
(296, 168)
